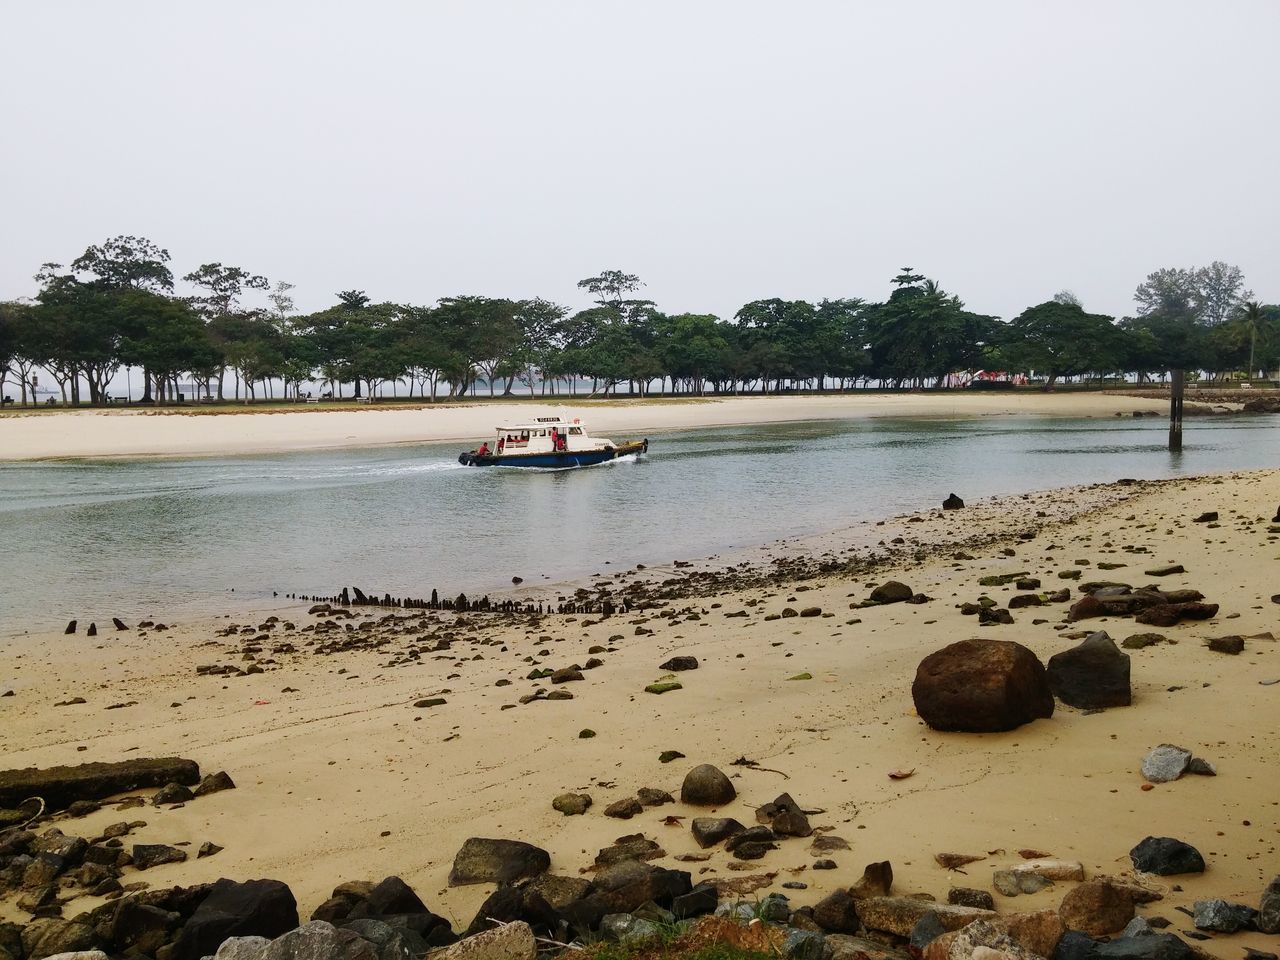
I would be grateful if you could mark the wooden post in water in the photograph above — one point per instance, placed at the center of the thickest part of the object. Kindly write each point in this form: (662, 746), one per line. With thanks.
(1175, 412)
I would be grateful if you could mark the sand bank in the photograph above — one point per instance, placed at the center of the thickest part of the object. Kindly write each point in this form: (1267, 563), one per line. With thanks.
(341, 777)
(143, 433)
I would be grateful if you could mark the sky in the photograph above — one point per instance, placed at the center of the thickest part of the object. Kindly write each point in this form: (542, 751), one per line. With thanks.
(723, 151)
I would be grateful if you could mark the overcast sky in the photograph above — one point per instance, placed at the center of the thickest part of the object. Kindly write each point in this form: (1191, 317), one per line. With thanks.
(724, 151)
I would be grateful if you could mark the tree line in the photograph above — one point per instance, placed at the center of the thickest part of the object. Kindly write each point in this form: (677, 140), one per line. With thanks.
(115, 306)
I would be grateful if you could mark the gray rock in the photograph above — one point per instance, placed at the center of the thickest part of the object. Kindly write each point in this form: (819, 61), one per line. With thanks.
(1137, 927)
(706, 786)
(628, 930)
(80, 955)
(1011, 883)
(804, 945)
(969, 897)
(775, 908)
(484, 860)
(172, 793)
(1202, 767)
(148, 855)
(837, 913)
(1269, 908)
(1223, 917)
(708, 831)
(1165, 763)
(624, 809)
(514, 941)
(389, 942)
(680, 663)
(318, 940)
(737, 910)
(53, 935)
(214, 783)
(892, 592)
(242, 948)
(1093, 675)
(653, 797)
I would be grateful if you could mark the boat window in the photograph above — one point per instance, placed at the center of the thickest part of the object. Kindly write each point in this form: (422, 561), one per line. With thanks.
(575, 431)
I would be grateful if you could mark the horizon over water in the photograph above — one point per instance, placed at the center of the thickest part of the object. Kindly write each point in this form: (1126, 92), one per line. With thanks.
(176, 538)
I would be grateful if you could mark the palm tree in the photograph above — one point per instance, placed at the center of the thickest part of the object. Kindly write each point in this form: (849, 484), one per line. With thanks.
(1251, 319)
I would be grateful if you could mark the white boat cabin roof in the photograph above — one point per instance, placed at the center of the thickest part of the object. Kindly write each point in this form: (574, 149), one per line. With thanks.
(545, 423)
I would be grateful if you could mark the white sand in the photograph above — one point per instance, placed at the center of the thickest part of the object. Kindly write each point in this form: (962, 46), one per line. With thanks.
(143, 433)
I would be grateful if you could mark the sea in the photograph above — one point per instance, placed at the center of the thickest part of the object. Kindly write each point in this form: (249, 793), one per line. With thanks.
(180, 538)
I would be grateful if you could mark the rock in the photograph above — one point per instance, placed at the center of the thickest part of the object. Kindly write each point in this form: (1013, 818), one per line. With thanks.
(263, 908)
(1165, 763)
(1167, 570)
(624, 809)
(708, 831)
(1096, 908)
(1021, 600)
(80, 955)
(843, 946)
(653, 797)
(990, 939)
(572, 804)
(566, 675)
(784, 817)
(53, 935)
(515, 941)
(968, 897)
(680, 663)
(214, 783)
(1201, 767)
(837, 913)
(1269, 908)
(664, 686)
(1051, 869)
(702, 899)
(171, 793)
(59, 787)
(804, 945)
(1170, 614)
(1231, 645)
(207, 849)
(705, 786)
(876, 881)
(1093, 675)
(1165, 856)
(1209, 516)
(148, 855)
(318, 940)
(628, 930)
(1139, 641)
(899, 915)
(952, 503)
(1222, 917)
(635, 846)
(483, 860)
(892, 592)
(981, 686)
(666, 756)
(1008, 883)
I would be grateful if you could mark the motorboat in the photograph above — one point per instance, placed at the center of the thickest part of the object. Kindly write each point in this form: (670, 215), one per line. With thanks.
(549, 442)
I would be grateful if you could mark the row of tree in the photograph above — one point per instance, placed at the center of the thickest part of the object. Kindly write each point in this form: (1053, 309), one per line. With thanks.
(115, 306)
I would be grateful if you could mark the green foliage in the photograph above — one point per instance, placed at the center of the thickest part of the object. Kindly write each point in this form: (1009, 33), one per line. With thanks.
(1058, 339)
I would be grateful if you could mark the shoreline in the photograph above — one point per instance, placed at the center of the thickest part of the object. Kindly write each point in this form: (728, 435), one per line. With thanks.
(134, 434)
(349, 750)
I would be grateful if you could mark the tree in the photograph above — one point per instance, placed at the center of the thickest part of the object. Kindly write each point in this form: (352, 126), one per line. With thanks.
(1059, 339)
(123, 261)
(17, 352)
(222, 287)
(610, 286)
(1068, 298)
(1221, 291)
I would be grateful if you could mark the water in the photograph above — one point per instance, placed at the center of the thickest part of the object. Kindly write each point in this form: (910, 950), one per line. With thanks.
(168, 538)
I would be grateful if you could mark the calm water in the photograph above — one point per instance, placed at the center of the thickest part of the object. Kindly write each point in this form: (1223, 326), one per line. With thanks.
(175, 537)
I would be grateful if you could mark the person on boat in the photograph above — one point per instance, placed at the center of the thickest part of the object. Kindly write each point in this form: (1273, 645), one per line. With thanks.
(484, 449)
(501, 442)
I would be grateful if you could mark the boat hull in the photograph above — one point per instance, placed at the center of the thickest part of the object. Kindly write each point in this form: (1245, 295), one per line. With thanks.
(553, 461)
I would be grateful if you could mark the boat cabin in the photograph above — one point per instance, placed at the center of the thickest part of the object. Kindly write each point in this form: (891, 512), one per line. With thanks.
(545, 435)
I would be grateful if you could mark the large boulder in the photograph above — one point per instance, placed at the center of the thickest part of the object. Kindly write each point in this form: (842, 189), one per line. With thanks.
(261, 908)
(1269, 908)
(1097, 908)
(706, 786)
(899, 915)
(1092, 676)
(511, 942)
(981, 686)
(53, 935)
(482, 860)
(59, 787)
(892, 592)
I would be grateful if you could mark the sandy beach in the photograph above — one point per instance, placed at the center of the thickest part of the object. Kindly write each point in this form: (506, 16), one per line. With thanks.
(149, 433)
(341, 777)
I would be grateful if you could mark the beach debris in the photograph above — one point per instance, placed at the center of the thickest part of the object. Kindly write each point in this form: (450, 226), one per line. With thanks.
(952, 503)
(1093, 675)
(1165, 856)
(486, 860)
(755, 765)
(1167, 570)
(572, 804)
(706, 786)
(951, 861)
(73, 702)
(664, 686)
(666, 756)
(680, 663)
(802, 676)
(892, 591)
(1223, 917)
(981, 686)
(901, 774)
(1209, 516)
